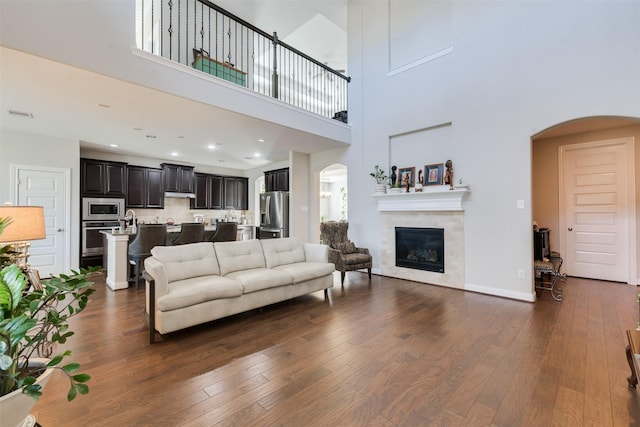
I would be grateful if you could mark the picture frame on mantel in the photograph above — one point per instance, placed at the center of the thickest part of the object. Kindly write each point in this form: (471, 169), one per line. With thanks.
(407, 175)
(433, 174)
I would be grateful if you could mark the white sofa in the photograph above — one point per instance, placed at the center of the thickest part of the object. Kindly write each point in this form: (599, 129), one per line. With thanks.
(200, 282)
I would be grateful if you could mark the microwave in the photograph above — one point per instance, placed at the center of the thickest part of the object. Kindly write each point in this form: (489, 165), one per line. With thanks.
(102, 209)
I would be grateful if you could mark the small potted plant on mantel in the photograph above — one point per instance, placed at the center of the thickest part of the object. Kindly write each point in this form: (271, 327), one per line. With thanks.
(33, 321)
(380, 177)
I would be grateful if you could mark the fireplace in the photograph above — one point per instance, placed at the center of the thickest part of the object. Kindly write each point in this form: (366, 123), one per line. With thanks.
(420, 248)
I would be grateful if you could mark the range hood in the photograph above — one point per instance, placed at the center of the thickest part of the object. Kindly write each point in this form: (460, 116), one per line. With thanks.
(176, 195)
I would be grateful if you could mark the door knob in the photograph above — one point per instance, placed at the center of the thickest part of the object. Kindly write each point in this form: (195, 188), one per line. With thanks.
(60, 230)
(570, 228)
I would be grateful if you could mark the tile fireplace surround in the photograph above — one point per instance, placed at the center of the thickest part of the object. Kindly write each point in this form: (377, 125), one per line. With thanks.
(433, 208)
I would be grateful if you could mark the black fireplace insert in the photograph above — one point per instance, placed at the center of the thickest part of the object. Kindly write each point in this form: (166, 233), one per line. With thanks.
(420, 248)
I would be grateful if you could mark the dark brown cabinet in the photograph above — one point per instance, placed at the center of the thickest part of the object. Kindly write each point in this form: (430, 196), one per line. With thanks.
(145, 187)
(100, 178)
(277, 180)
(217, 192)
(178, 178)
(236, 193)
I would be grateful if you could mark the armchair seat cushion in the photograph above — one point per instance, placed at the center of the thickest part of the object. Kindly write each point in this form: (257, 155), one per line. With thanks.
(257, 279)
(357, 258)
(196, 290)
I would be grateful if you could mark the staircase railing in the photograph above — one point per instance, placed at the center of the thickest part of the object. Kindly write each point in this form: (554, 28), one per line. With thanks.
(202, 35)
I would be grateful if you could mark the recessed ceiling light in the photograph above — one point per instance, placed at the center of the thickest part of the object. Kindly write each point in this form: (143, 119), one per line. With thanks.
(113, 145)
(256, 155)
(180, 137)
(137, 128)
(261, 140)
(221, 160)
(211, 147)
(151, 136)
(104, 105)
(174, 153)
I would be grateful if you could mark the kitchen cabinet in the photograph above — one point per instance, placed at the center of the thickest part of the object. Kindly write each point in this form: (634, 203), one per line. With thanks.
(277, 180)
(236, 193)
(145, 187)
(99, 178)
(178, 178)
(209, 191)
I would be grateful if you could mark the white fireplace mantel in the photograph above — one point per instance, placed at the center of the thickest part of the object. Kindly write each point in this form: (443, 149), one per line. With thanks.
(439, 199)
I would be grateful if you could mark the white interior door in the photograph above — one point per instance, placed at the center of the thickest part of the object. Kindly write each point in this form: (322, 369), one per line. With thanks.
(48, 188)
(597, 209)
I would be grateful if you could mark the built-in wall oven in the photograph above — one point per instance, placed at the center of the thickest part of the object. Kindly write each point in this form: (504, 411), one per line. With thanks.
(92, 238)
(98, 214)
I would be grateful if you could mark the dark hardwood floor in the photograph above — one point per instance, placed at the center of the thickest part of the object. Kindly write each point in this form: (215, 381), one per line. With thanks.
(388, 353)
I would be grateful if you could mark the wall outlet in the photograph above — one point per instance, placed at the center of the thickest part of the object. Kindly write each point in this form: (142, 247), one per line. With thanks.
(520, 274)
(520, 204)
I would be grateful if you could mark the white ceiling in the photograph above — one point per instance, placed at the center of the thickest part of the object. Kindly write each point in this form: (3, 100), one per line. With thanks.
(97, 110)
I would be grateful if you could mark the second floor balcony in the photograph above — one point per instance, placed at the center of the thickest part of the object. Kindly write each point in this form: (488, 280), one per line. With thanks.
(201, 35)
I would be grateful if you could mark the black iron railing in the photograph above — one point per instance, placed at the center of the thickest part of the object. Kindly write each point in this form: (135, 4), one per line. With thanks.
(199, 34)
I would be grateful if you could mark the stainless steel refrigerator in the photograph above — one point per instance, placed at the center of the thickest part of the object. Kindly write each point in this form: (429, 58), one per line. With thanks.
(274, 215)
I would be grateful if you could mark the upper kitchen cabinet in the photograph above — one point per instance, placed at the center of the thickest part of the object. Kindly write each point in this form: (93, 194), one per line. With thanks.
(178, 178)
(277, 180)
(209, 192)
(100, 178)
(145, 187)
(236, 193)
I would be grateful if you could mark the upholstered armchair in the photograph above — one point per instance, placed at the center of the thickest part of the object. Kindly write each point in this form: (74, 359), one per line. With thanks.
(343, 252)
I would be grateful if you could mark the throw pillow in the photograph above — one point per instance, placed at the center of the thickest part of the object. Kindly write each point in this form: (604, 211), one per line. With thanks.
(347, 247)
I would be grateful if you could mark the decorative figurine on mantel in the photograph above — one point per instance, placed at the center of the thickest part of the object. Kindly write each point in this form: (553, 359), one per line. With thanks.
(393, 175)
(418, 187)
(448, 176)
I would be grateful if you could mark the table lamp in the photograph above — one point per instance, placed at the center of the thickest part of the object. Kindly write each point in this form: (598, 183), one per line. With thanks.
(26, 223)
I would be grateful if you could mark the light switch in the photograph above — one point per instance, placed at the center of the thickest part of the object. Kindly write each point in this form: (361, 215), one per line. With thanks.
(520, 204)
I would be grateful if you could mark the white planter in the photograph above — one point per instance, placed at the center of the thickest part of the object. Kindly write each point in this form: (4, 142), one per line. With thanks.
(15, 406)
(381, 188)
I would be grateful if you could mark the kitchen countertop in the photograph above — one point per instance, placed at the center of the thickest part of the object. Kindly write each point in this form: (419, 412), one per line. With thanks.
(173, 228)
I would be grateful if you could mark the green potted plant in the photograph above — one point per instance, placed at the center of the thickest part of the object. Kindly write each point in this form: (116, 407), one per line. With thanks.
(380, 177)
(33, 321)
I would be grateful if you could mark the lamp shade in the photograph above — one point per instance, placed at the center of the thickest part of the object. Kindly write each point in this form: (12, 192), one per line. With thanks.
(27, 223)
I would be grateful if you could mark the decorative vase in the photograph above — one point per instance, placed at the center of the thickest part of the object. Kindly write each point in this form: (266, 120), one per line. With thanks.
(15, 406)
(381, 188)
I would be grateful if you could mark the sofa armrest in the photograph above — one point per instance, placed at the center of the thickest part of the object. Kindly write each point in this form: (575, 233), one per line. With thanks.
(155, 269)
(316, 252)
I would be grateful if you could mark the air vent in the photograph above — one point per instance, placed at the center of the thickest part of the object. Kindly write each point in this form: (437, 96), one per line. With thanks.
(21, 114)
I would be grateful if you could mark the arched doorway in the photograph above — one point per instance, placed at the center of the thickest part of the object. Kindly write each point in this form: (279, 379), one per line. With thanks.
(589, 250)
(333, 193)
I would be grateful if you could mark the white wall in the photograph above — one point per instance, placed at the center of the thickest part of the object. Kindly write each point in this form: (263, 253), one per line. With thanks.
(515, 68)
(38, 150)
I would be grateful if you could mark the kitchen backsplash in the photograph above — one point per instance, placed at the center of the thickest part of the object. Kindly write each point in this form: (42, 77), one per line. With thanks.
(179, 211)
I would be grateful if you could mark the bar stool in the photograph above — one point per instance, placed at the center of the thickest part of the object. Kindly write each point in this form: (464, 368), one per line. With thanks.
(148, 236)
(190, 232)
(225, 232)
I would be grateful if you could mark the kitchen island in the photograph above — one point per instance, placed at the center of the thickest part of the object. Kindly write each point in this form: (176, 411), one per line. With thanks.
(117, 247)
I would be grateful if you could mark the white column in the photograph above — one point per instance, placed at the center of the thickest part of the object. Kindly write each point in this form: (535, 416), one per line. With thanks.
(117, 261)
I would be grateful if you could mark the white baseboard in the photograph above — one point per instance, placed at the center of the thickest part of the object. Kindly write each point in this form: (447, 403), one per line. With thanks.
(521, 296)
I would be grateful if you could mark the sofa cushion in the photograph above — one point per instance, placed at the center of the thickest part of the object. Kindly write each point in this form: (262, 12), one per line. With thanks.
(302, 271)
(186, 261)
(282, 251)
(237, 256)
(196, 290)
(258, 279)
